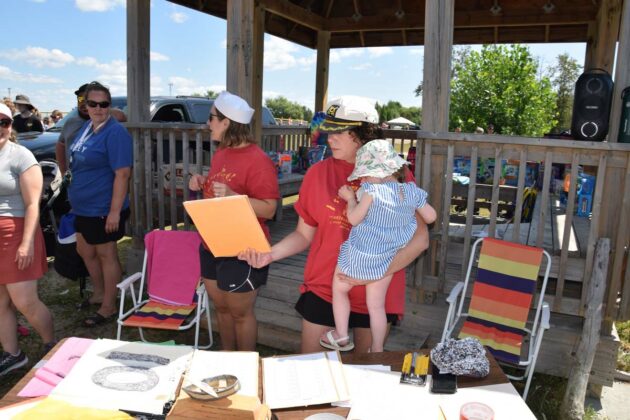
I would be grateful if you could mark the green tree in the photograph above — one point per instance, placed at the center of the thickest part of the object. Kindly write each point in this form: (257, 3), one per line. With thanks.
(394, 109)
(499, 85)
(563, 77)
(209, 94)
(281, 107)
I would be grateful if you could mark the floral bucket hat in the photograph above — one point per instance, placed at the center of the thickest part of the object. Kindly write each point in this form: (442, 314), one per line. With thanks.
(376, 158)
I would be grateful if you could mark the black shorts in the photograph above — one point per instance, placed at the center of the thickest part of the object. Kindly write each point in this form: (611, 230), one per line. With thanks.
(93, 228)
(317, 311)
(231, 274)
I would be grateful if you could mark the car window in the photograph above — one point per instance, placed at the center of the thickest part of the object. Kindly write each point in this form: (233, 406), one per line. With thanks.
(170, 113)
(200, 112)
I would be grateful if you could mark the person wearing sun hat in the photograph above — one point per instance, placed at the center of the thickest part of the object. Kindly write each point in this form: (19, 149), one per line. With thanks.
(383, 221)
(323, 226)
(239, 166)
(26, 120)
(22, 249)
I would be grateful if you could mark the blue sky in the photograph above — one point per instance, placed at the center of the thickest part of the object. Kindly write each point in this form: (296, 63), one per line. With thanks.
(53, 46)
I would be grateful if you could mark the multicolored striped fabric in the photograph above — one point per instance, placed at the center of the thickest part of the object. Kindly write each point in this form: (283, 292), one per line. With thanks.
(160, 315)
(502, 296)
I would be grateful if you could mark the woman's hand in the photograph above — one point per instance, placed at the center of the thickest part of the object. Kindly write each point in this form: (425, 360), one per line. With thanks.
(346, 193)
(220, 189)
(196, 182)
(352, 281)
(25, 254)
(254, 258)
(112, 222)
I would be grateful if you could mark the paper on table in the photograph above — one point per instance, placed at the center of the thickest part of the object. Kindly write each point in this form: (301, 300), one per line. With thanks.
(383, 397)
(243, 365)
(355, 378)
(301, 380)
(121, 375)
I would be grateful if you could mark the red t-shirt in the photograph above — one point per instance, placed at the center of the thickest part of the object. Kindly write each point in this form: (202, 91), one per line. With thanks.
(246, 170)
(320, 206)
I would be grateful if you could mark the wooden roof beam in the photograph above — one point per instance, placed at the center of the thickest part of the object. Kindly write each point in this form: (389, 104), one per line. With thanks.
(462, 20)
(294, 13)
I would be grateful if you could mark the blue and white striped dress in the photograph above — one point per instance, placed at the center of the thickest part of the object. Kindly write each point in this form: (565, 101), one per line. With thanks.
(388, 226)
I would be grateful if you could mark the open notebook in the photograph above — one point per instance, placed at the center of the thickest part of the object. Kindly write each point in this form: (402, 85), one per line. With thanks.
(228, 225)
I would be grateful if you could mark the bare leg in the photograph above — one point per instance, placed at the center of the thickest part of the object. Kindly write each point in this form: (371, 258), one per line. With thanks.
(24, 296)
(241, 306)
(93, 265)
(341, 307)
(363, 339)
(375, 293)
(8, 323)
(107, 254)
(224, 317)
(311, 334)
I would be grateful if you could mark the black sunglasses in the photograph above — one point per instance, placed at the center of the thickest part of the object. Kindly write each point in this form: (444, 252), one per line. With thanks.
(5, 123)
(94, 104)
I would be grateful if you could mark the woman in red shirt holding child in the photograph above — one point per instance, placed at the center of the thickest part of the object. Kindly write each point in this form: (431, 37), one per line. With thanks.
(323, 226)
(239, 166)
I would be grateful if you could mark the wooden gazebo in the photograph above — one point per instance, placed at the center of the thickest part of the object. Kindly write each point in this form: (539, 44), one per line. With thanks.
(604, 25)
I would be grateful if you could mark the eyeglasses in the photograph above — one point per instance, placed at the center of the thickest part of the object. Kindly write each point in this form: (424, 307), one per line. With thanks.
(94, 104)
(5, 123)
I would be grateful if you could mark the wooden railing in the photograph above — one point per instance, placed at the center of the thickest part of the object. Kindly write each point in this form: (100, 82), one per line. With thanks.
(164, 149)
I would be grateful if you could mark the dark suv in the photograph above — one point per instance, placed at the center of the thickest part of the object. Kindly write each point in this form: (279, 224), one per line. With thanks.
(164, 109)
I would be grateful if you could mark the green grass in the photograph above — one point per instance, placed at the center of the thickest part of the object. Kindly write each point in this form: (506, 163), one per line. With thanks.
(623, 358)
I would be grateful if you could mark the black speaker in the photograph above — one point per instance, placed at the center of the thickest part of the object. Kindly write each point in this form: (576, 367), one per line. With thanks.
(591, 105)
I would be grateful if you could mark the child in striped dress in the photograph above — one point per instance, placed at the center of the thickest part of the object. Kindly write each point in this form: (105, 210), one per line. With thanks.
(383, 220)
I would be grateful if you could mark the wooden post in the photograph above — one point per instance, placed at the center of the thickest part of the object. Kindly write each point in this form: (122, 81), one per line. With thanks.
(245, 48)
(573, 403)
(600, 47)
(622, 72)
(322, 70)
(138, 63)
(138, 102)
(438, 44)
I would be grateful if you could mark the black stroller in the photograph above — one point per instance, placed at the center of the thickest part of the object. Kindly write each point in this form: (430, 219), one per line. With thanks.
(53, 206)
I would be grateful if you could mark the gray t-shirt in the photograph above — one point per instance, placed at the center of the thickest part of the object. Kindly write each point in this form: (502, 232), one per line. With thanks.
(14, 160)
(69, 132)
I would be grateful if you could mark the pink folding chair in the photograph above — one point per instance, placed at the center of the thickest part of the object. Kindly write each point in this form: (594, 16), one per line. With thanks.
(176, 298)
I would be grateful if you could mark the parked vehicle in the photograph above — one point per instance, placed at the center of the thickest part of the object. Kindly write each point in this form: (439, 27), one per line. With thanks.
(164, 109)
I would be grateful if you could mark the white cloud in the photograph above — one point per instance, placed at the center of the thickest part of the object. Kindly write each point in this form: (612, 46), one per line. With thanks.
(224, 44)
(415, 51)
(178, 17)
(186, 86)
(112, 74)
(339, 54)
(8, 74)
(38, 1)
(376, 52)
(362, 66)
(281, 55)
(39, 57)
(98, 5)
(156, 56)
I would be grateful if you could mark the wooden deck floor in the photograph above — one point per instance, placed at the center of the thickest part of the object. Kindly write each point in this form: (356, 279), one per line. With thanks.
(280, 325)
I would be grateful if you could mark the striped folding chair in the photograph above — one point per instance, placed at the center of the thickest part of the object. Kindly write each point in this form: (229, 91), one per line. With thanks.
(499, 307)
(171, 272)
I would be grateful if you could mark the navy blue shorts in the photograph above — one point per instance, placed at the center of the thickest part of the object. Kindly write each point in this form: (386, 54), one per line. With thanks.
(231, 274)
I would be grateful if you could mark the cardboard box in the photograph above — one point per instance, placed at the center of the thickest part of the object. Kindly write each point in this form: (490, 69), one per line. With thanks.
(179, 177)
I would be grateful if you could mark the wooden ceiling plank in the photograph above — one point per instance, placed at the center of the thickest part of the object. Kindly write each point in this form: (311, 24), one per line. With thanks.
(294, 13)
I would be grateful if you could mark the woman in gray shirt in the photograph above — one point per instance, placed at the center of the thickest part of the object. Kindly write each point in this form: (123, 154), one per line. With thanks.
(22, 249)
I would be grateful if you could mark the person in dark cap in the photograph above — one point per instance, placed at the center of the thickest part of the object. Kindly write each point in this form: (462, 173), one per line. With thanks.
(26, 120)
(70, 129)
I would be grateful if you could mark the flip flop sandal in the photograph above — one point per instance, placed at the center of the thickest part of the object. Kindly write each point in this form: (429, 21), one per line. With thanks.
(333, 344)
(97, 319)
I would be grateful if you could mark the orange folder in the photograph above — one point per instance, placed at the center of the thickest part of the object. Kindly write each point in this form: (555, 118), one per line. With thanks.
(228, 225)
